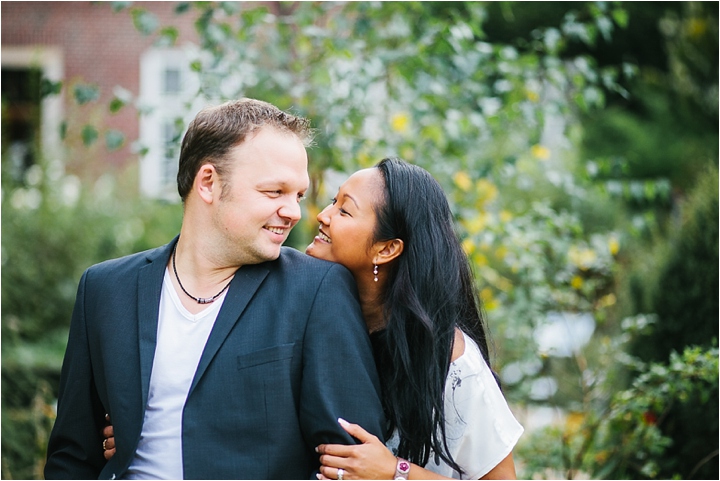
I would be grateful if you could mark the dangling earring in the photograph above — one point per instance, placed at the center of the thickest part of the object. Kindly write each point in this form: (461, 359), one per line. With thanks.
(375, 271)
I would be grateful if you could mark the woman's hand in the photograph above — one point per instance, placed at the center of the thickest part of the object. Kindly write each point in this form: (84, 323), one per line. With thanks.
(109, 441)
(369, 460)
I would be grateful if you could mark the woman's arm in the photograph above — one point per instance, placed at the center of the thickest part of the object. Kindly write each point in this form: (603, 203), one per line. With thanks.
(505, 469)
(373, 460)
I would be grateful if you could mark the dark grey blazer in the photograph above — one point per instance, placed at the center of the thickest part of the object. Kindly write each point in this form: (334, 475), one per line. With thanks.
(288, 355)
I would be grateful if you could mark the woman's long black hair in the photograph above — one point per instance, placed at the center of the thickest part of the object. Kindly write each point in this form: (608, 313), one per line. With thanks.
(430, 291)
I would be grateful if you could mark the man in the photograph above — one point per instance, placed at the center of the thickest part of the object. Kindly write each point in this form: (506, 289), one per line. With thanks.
(222, 354)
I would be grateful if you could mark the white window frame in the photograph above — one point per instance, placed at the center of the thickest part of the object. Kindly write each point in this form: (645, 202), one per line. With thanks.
(157, 109)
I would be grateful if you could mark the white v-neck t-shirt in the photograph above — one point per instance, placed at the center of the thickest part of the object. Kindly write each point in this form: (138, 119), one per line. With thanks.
(181, 339)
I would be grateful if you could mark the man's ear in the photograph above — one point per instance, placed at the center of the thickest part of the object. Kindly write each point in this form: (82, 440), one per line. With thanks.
(388, 251)
(207, 183)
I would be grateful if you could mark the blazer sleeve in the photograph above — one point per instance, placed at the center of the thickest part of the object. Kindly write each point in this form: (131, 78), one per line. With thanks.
(339, 374)
(75, 445)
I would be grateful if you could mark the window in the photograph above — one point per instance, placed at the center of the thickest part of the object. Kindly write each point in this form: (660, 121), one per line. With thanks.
(21, 118)
(168, 100)
(30, 123)
(172, 81)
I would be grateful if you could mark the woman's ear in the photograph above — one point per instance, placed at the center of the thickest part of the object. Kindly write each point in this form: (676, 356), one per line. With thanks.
(207, 182)
(388, 250)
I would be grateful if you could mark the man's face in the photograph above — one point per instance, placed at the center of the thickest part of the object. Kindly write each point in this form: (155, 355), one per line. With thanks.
(260, 199)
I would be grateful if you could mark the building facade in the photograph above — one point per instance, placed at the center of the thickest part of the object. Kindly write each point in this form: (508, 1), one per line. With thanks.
(99, 55)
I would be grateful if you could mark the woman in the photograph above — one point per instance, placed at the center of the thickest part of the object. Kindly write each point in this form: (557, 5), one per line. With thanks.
(392, 227)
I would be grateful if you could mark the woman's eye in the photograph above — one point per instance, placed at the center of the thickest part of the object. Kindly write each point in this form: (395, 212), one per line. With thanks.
(300, 197)
(334, 201)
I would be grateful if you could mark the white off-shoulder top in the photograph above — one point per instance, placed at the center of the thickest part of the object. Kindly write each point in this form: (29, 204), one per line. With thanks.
(480, 428)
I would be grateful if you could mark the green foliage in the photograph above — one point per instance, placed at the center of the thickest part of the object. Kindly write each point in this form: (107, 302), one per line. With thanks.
(114, 139)
(89, 135)
(52, 229)
(86, 93)
(25, 430)
(144, 21)
(627, 440)
(686, 302)
(642, 143)
(685, 295)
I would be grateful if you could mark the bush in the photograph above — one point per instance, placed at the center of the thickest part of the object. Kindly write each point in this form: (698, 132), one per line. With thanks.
(686, 302)
(53, 231)
(685, 296)
(629, 440)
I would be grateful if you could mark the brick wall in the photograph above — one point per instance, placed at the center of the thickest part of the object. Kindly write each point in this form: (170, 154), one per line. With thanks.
(99, 47)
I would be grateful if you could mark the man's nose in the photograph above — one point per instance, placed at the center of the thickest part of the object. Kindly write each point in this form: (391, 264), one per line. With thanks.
(291, 210)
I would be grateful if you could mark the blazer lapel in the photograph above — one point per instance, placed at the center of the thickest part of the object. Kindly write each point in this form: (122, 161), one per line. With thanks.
(150, 281)
(246, 282)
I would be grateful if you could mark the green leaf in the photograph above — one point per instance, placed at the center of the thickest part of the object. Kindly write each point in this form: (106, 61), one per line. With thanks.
(114, 139)
(119, 6)
(48, 87)
(182, 7)
(116, 104)
(86, 93)
(144, 21)
(169, 35)
(89, 135)
(230, 8)
(621, 17)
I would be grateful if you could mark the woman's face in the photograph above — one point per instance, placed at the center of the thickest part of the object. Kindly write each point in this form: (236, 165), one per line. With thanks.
(348, 223)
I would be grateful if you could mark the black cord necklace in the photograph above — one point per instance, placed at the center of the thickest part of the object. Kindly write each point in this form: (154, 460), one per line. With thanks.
(199, 300)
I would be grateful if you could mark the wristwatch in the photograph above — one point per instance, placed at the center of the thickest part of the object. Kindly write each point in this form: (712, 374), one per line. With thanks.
(402, 470)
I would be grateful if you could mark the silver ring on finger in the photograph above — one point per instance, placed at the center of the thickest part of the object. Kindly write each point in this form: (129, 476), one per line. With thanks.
(341, 472)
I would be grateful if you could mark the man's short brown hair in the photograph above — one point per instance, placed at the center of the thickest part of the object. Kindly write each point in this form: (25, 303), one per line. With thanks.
(216, 130)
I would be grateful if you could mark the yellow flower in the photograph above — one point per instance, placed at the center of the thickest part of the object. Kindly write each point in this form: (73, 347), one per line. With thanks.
(696, 27)
(479, 259)
(573, 422)
(486, 190)
(540, 152)
(364, 160)
(582, 258)
(468, 246)
(462, 180)
(477, 223)
(488, 300)
(576, 282)
(532, 95)
(503, 284)
(607, 301)
(505, 216)
(601, 457)
(400, 122)
(486, 294)
(501, 252)
(614, 245)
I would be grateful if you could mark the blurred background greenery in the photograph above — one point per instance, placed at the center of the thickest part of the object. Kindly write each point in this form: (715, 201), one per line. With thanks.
(577, 143)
